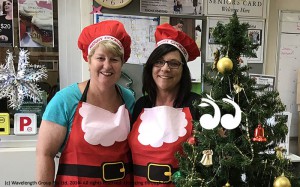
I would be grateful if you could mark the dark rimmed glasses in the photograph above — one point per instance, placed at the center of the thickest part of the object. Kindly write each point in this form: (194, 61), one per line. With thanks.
(173, 64)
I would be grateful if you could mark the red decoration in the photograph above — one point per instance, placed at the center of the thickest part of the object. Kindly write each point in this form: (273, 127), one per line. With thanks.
(192, 140)
(259, 134)
(96, 10)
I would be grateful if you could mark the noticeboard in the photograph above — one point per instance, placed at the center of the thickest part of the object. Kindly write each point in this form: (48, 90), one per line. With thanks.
(141, 29)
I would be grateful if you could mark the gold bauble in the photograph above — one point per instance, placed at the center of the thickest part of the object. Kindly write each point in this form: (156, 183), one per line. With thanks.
(281, 181)
(224, 65)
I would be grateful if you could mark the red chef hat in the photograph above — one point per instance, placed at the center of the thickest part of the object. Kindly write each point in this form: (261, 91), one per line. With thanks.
(167, 34)
(112, 30)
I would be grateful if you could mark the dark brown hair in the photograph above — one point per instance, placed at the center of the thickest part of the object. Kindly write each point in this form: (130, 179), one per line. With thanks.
(149, 86)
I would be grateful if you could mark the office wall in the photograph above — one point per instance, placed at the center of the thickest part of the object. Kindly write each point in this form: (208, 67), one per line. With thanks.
(271, 63)
(270, 66)
(68, 43)
(73, 17)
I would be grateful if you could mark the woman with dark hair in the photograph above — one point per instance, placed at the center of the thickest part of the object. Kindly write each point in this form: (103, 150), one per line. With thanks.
(149, 82)
(6, 30)
(163, 116)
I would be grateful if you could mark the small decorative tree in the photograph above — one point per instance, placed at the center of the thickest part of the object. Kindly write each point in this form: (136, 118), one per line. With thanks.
(242, 150)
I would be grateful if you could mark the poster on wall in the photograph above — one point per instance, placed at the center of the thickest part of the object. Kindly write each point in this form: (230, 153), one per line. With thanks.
(36, 23)
(141, 29)
(178, 7)
(6, 23)
(255, 34)
(195, 65)
(261, 81)
(253, 8)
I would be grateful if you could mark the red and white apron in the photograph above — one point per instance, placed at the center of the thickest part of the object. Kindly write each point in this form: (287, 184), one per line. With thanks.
(96, 152)
(156, 136)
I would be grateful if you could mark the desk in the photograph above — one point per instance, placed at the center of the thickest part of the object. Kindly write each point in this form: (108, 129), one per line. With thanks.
(17, 164)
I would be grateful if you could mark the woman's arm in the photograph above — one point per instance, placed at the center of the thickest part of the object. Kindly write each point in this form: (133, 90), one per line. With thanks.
(51, 137)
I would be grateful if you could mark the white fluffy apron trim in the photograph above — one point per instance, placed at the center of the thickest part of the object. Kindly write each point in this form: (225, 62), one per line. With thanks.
(104, 127)
(161, 124)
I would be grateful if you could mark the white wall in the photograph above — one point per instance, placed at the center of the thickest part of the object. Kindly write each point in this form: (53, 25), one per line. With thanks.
(273, 21)
(271, 66)
(73, 17)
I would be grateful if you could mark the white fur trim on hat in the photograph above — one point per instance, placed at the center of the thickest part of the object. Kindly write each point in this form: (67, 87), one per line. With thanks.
(105, 37)
(177, 45)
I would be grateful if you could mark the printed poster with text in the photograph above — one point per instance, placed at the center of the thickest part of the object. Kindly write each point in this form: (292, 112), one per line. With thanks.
(36, 23)
(180, 7)
(6, 23)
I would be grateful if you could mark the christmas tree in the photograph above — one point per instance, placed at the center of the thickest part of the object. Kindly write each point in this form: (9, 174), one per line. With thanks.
(235, 142)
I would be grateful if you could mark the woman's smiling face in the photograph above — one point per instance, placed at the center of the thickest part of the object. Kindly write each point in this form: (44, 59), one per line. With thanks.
(105, 67)
(168, 79)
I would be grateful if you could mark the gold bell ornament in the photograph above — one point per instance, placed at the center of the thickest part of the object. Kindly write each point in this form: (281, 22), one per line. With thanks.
(279, 152)
(282, 181)
(237, 88)
(224, 65)
(207, 158)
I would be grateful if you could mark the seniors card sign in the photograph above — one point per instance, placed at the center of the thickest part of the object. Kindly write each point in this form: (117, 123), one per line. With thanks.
(246, 8)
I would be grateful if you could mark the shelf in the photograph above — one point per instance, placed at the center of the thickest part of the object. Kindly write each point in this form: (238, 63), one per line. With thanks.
(293, 157)
(38, 54)
(14, 141)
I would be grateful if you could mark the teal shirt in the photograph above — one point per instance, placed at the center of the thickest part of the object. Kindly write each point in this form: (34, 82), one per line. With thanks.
(62, 107)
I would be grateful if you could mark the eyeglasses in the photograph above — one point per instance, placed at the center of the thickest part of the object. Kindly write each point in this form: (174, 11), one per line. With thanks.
(173, 64)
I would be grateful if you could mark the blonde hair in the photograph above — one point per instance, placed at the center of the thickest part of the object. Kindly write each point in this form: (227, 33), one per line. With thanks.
(109, 46)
